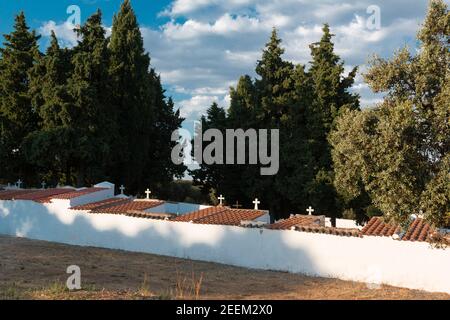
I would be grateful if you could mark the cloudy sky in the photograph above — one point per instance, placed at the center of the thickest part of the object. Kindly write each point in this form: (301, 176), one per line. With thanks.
(201, 47)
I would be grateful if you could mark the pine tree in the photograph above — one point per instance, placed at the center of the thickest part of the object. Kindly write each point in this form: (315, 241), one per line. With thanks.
(17, 117)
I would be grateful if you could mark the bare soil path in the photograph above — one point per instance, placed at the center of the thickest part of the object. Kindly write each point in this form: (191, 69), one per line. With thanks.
(31, 269)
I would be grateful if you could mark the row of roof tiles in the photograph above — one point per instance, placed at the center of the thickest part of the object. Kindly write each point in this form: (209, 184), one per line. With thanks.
(419, 230)
(222, 215)
(45, 195)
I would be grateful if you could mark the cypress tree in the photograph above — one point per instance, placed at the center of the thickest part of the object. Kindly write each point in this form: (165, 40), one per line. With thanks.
(92, 121)
(17, 117)
(144, 118)
(331, 95)
(131, 98)
(49, 148)
(159, 169)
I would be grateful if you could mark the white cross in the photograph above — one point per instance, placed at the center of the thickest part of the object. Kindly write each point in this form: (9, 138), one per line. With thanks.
(122, 188)
(221, 198)
(310, 210)
(256, 202)
(148, 192)
(43, 184)
(19, 183)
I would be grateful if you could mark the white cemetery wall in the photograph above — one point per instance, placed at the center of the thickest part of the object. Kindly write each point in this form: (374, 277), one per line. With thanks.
(370, 259)
(90, 197)
(343, 223)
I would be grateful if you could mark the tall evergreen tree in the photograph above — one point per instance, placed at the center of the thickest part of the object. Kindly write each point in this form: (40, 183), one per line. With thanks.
(48, 149)
(145, 119)
(92, 119)
(331, 95)
(132, 96)
(159, 169)
(17, 117)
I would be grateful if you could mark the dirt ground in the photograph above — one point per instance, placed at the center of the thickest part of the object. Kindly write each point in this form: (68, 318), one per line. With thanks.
(32, 269)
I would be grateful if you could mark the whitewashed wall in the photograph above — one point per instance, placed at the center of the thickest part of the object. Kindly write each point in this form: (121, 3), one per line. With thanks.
(370, 259)
(343, 223)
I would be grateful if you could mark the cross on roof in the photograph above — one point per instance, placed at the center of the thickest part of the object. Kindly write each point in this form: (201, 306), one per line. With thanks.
(237, 205)
(256, 202)
(19, 183)
(221, 198)
(148, 192)
(310, 210)
(43, 184)
(122, 188)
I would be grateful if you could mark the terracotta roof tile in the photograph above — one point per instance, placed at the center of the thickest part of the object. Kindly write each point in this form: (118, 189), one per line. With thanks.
(419, 229)
(294, 220)
(150, 215)
(329, 230)
(192, 216)
(42, 196)
(377, 227)
(12, 193)
(101, 204)
(231, 217)
(220, 215)
(77, 193)
(130, 205)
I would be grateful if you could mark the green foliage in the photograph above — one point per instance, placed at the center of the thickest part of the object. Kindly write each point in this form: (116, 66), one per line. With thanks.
(83, 115)
(302, 104)
(17, 118)
(398, 152)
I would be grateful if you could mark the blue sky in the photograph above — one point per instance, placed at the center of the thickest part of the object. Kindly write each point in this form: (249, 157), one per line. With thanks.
(201, 47)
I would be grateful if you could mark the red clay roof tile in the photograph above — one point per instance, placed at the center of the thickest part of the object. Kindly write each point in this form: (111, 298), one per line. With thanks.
(286, 224)
(130, 205)
(12, 193)
(231, 217)
(329, 230)
(192, 216)
(419, 229)
(101, 204)
(220, 215)
(42, 195)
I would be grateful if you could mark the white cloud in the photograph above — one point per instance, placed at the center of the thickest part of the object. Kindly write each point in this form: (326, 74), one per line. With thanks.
(64, 32)
(215, 41)
(226, 25)
(196, 106)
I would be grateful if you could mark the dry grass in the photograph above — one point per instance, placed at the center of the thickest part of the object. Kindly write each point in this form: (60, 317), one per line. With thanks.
(188, 288)
(37, 270)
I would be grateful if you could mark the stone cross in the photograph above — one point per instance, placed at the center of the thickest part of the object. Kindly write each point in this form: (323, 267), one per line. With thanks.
(148, 192)
(237, 205)
(310, 210)
(43, 184)
(256, 202)
(122, 188)
(221, 198)
(19, 183)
